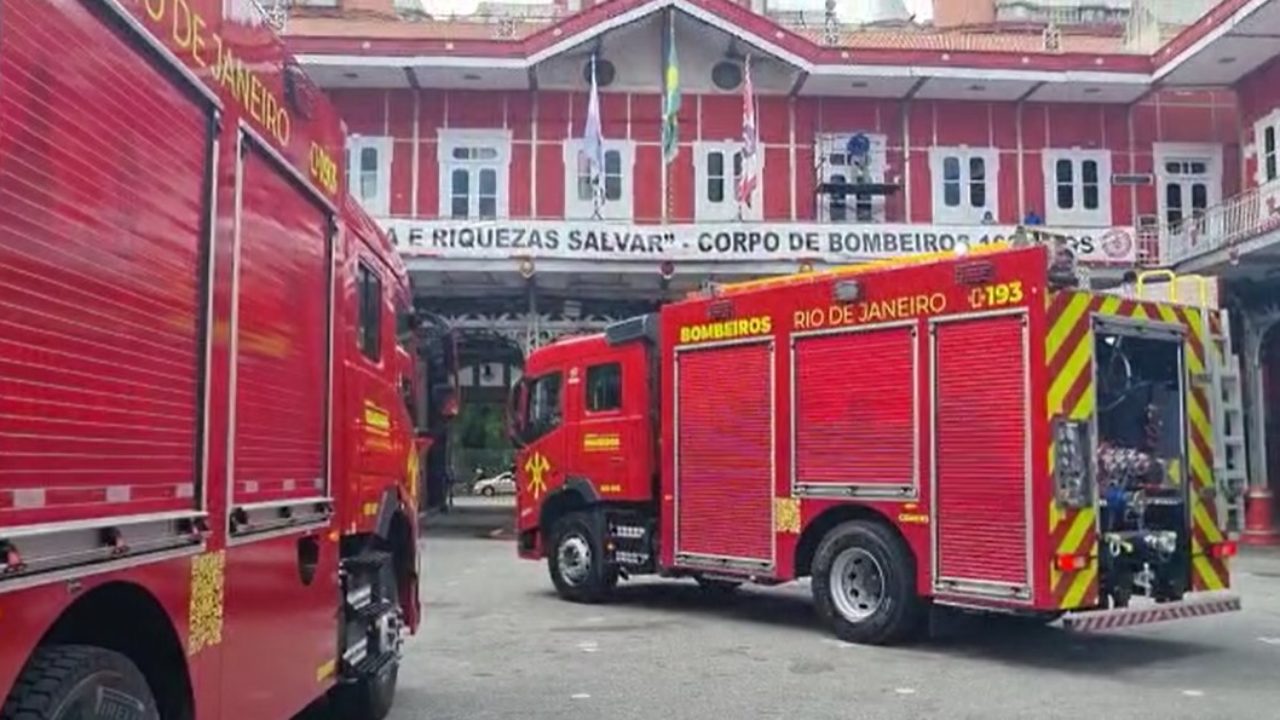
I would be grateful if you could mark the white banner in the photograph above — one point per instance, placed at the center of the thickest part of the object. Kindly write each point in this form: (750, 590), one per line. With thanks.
(831, 243)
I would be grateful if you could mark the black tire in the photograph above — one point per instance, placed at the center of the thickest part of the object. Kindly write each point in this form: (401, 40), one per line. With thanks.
(79, 682)
(718, 588)
(898, 613)
(370, 697)
(592, 583)
(488, 492)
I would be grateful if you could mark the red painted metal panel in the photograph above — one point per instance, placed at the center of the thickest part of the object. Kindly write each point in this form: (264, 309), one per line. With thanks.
(1008, 182)
(1033, 183)
(840, 114)
(550, 181)
(647, 189)
(430, 113)
(851, 427)
(1035, 126)
(1186, 123)
(520, 114)
(804, 183)
(806, 119)
(981, 474)
(1072, 125)
(400, 110)
(1121, 195)
(1115, 120)
(920, 188)
(646, 117)
(777, 197)
(475, 109)
(681, 185)
(100, 273)
(428, 179)
(724, 490)
(281, 340)
(402, 177)
(365, 111)
(1146, 125)
(553, 115)
(721, 117)
(775, 119)
(964, 123)
(920, 125)
(521, 181)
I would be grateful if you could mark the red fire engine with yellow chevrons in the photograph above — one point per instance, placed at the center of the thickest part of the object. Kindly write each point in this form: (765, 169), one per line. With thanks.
(968, 430)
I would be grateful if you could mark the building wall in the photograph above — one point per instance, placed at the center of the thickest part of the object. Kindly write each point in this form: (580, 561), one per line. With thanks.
(1259, 94)
(541, 122)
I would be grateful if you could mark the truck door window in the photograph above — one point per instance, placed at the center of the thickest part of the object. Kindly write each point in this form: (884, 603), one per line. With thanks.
(369, 295)
(604, 387)
(544, 412)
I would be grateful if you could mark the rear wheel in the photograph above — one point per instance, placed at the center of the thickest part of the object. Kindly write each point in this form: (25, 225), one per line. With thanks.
(864, 584)
(79, 682)
(576, 561)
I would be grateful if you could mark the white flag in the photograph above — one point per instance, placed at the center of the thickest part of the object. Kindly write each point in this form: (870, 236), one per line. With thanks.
(750, 139)
(593, 144)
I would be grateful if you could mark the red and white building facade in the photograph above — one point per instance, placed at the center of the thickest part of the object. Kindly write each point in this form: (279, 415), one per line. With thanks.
(1155, 146)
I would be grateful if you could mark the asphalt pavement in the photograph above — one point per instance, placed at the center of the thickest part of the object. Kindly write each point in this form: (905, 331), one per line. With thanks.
(498, 643)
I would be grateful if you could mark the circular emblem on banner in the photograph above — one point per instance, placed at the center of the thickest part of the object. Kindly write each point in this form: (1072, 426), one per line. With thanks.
(1117, 244)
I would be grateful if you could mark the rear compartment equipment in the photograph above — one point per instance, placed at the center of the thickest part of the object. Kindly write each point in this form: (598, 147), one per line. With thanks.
(1143, 484)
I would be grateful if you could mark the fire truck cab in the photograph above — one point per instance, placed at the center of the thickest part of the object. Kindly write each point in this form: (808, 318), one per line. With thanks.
(972, 431)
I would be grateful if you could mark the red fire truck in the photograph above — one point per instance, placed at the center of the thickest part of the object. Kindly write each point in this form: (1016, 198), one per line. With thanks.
(211, 407)
(968, 431)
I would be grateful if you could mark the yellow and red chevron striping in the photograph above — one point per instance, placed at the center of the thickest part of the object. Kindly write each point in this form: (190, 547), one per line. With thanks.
(1069, 349)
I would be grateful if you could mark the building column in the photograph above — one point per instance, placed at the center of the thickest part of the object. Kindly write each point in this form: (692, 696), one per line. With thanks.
(1259, 528)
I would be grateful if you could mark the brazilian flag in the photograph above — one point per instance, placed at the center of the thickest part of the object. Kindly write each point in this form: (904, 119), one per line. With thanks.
(670, 95)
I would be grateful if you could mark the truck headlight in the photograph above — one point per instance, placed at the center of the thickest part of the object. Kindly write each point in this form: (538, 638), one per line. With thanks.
(1072, 471)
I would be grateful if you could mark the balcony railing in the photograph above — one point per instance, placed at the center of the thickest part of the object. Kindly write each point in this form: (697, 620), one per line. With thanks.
(1223, 227)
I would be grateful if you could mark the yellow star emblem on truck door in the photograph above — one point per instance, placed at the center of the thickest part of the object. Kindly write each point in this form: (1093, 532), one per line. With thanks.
(536, 465)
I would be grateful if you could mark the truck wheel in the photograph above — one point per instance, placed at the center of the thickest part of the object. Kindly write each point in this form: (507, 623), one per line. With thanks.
(79, 682)
(864, 584)
(576, 561)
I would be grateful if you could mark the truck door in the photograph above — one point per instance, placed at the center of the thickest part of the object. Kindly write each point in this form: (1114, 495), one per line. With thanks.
(611, 443)
(541, 461)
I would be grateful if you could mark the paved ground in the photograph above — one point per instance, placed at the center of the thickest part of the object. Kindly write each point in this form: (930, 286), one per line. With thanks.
(499, 644)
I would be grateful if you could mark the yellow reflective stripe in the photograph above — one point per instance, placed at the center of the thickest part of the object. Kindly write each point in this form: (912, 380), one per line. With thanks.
(1062, 327)
(1079, 586)
(1076, 364)
(1208, 576)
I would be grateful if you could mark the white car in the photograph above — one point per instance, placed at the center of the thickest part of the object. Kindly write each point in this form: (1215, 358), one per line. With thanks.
(503, 483)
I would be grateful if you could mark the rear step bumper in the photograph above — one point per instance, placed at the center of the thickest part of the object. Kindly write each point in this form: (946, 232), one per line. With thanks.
(1094, 620)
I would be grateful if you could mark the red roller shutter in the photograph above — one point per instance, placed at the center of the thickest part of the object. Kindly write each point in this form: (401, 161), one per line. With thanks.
(103, 168)
(724, 482)
(981, 436)
(281, 340)
(855, 408)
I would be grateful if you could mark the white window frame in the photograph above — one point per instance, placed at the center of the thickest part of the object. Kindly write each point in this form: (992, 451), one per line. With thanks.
(1271, 122)
(451, 139)
(379, 205)
(834, 143)
(965, 213)
(577, 208)
(1077, 215)
(726, 210)
(1209, 153)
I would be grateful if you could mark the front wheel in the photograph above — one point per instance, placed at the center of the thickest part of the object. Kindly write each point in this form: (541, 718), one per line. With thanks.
(488, 492)
(577, 563)
(79, 682)
(370, 695)
(864, 584)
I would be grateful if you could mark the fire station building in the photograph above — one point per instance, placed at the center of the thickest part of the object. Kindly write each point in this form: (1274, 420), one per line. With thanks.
(1145, 130)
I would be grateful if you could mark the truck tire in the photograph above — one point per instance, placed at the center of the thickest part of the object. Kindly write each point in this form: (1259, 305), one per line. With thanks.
(370, 696)
(79, 682)
(864, 584)
(576, 561)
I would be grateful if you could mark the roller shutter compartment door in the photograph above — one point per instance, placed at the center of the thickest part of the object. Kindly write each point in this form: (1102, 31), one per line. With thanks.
(724, 453)
(981, 451)
(282, 349)
(103, 170)
(855, 402)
